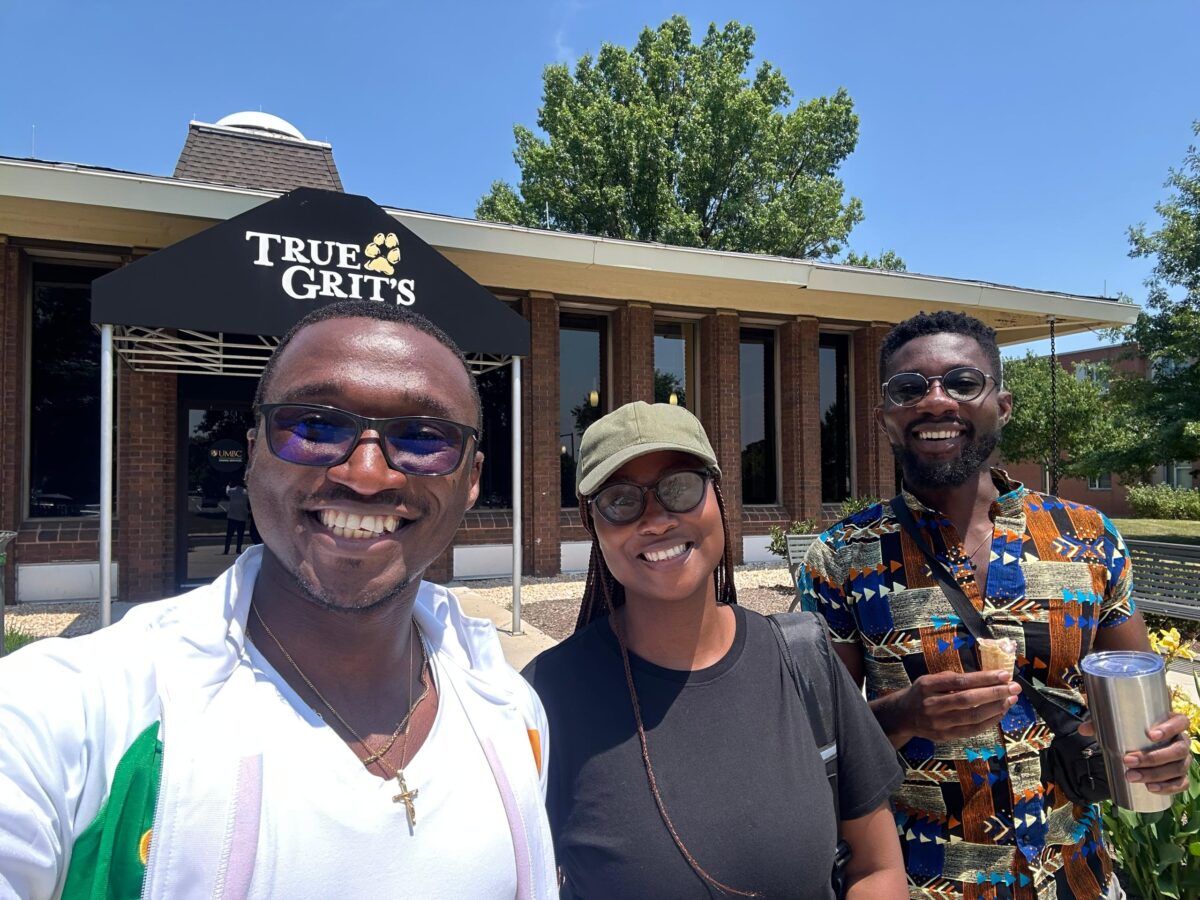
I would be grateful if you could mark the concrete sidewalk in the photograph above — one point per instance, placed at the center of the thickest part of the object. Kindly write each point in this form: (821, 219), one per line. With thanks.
(518, 648)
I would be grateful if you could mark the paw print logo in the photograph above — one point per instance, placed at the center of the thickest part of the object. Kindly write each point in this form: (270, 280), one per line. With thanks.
(382, 254)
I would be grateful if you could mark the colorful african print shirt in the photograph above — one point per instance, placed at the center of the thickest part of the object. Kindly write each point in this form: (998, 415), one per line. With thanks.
(978, 816)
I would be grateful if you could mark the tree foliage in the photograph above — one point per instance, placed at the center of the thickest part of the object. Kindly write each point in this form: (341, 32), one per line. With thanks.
(1086, 418)
(1164, 403)
(676, 142)
(887, 260)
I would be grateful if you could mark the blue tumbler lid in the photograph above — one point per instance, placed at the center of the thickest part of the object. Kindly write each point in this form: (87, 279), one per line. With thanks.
(1121, 663)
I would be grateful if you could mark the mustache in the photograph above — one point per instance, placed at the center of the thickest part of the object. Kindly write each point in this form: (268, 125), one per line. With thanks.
(390, 499)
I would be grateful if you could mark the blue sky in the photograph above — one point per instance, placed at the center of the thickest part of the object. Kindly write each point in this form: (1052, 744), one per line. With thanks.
(1008, 142)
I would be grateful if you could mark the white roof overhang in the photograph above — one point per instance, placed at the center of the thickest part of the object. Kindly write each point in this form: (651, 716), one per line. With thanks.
(63, 202)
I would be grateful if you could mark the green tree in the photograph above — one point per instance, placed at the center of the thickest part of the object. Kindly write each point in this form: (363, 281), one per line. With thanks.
(1166, 399)
(675, 142)
(887, 260)
(1086, 417)
(666, 383)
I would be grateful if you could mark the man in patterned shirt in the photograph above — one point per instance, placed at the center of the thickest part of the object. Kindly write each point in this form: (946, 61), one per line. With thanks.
(977, 814)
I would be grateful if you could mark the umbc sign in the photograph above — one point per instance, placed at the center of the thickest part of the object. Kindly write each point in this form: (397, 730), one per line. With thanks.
(258, 273)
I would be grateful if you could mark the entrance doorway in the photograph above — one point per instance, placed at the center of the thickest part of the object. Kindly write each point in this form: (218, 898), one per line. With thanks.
(215, 519)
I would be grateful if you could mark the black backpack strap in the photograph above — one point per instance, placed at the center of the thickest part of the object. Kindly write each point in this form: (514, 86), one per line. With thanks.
(808, 655)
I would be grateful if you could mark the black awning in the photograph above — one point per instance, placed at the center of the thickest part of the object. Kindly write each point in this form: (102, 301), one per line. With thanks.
(260, 272)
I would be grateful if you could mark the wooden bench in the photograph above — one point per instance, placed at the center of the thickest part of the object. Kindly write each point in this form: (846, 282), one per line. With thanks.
(1166, 578)
(797, 547)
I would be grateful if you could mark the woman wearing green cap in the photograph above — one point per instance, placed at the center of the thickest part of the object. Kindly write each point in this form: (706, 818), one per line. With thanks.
(684, 762)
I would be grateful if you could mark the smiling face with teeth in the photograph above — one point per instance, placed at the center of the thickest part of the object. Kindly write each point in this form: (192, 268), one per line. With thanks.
(941, 442)
(664, 556)
(359, 534)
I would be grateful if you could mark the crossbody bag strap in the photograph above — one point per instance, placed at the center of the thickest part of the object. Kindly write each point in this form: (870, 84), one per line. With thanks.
(1048, 708)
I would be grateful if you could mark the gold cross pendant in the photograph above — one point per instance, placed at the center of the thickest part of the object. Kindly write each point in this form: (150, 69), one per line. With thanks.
(406, 797)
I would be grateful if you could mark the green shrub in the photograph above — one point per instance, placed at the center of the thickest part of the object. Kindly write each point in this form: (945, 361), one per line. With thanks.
(16, 638)
(778, 544)
(851, 505)
(1161, 501)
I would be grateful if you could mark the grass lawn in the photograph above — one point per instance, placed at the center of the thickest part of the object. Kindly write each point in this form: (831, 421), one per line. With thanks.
(1171, 531)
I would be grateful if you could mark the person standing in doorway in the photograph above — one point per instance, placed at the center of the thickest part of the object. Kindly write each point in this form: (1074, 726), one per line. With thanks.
(237, 511)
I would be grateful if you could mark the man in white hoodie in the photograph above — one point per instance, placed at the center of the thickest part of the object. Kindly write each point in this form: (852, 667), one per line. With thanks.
(319, 721)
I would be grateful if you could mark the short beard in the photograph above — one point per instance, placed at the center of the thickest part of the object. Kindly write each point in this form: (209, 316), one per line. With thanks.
(319, 597)
(921, 473)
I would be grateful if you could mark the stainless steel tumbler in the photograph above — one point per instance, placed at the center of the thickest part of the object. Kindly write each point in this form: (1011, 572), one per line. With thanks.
(1127, 693)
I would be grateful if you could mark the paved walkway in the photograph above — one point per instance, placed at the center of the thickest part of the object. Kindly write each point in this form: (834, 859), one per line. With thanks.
(518, 648)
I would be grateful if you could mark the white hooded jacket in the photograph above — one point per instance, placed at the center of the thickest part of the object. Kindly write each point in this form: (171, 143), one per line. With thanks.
(69, 709)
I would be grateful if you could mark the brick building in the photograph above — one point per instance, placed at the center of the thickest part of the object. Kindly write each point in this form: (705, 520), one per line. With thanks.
(778, 357)
(1105, 492)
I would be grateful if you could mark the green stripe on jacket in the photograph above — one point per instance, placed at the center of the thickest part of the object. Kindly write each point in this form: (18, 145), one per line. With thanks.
(108, 861)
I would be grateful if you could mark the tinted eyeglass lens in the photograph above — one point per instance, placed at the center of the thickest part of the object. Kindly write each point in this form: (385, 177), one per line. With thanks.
(621, 503)
(309, 437)
(681, 491)
(963, 384)
(907, 388)
(424, 447)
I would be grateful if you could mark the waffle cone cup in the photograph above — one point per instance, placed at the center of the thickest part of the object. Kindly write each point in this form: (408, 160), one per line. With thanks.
(997, 654)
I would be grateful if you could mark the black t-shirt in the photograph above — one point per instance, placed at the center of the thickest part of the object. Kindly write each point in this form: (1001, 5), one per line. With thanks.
(734, 757)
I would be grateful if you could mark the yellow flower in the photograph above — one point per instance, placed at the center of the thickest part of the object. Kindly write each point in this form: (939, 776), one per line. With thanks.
(1169, 645)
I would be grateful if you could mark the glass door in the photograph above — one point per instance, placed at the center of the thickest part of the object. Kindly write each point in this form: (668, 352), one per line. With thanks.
(216, 518)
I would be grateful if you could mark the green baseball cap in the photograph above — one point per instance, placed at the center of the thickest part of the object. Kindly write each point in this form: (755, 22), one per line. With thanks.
(634, 430)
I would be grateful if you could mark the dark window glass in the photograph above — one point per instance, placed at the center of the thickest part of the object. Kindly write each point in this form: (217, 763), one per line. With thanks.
(758, 416)
(64, 394)
(673, 349)
(835, 418)
(582, 391)
(495, 484)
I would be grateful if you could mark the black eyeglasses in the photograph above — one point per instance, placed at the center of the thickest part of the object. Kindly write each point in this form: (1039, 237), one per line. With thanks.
(326, 436)
(678, 492)
(962, 384)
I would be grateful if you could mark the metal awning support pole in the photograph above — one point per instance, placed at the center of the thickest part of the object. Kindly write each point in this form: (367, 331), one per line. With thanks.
(106, 473)
(517, 541)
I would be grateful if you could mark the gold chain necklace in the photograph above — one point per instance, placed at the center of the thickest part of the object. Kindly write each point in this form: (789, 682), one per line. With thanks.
(405, 796)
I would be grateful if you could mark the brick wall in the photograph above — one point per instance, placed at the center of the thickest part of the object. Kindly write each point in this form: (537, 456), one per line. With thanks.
(873, 462)
(540, 446)
(633, 353)
(145, 450)
(720, 409)
(800, 417)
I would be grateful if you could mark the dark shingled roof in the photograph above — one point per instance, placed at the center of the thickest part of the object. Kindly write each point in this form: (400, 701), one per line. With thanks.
(244, 158)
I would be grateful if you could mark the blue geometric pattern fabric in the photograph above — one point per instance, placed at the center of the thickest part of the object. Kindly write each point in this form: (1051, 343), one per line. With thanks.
(979, 817)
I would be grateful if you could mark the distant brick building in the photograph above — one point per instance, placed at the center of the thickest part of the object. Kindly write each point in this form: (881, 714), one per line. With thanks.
(1106, 492)
(778, 357)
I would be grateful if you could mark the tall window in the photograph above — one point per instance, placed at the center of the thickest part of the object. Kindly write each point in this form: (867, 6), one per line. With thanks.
(757, 355)
(582, 388)
(674, 356)
(64, 394)
(495, 393)
(835, 417)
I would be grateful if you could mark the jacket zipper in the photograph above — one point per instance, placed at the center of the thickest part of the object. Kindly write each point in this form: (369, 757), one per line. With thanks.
(155, 828)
